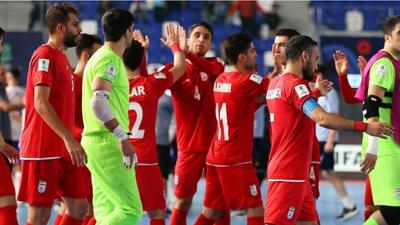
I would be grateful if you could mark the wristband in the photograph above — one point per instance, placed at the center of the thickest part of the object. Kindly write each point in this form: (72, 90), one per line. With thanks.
(360, 126)
(175, 47)
(372, 147)
(120, 133)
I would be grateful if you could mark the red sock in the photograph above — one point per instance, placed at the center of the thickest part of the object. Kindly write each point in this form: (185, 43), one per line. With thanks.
(178, 217)
(92, 221)
(255, 220)
(157, 222)
(68, 220)
(367, 214)
(58, 219)
(8, 215)
(202, 220)
(225, 218)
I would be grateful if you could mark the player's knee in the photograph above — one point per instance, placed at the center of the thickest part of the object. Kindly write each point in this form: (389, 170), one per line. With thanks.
(77, 208)
(371, 208)
(183, 203)
(391, 214)
(325, 174)
(255, 212)
(211, 213)
(156, 214)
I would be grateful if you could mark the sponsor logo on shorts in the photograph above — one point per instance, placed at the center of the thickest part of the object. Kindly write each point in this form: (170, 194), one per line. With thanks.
(290, 213)
(42, 186)
(397, 193)
(253, 190)
(176, 180)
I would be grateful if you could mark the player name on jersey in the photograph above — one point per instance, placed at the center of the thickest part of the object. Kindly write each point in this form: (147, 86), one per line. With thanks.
(137, 91)
(223, 87)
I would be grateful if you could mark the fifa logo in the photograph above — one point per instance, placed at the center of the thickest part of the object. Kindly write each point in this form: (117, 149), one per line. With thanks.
(290, 213)
(42, 186)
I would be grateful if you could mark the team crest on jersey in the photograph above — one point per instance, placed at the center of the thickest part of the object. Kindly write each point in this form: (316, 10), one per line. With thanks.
(42, 186)
(301, 90)
(253, 190)
(43, 65)
(256, 78)
(382, 70)
(160, 76)
(204, 76)
(290, 213)
(111, 70)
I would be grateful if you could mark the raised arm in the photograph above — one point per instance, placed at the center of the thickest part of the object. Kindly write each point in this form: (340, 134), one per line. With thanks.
(145, 41)
(342, 68)
(176, 40)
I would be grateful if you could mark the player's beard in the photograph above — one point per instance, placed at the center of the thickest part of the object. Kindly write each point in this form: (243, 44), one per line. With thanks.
(308, 72)
(69, 40)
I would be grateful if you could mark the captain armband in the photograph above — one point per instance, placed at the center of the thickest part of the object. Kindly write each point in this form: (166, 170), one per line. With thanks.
(309, 105)
(371, 106)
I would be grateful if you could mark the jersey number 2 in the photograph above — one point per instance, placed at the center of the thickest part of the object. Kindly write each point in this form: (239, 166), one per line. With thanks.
(136, 132)
(222, 117)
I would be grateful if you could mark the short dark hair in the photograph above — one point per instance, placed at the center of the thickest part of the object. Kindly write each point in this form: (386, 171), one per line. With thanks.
(16, 72)
(133, 55)
(2, 32)
(389, 24)
(58, 13)
(86, 42)
(287, 32)
(115, 22)
(201, 24)
(297, 45)
(236, 44)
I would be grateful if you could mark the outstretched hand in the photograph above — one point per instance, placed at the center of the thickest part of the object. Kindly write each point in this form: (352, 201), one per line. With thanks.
(144, 41)
(341, 62)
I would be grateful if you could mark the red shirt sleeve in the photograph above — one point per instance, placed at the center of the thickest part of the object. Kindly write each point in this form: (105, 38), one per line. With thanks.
(347, 92)
(298, 93)
(256, 85)
(212, 66)
(143, 66)
(43, 68)
(233, 8)
(161, 79)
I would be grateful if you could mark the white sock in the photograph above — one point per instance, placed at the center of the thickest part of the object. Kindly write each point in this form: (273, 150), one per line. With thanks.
(347, 202)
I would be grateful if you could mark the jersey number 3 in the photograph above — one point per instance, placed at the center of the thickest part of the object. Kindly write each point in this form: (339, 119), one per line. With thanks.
(222, 119)
(136, 132)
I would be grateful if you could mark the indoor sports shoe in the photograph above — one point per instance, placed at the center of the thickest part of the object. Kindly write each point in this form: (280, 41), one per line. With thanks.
(347, 214)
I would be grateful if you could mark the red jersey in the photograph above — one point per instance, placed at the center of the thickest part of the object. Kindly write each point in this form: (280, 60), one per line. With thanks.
(78, 107)
(234, 94)
(292, 131)
(49, 67)
(143, 100)
(193, 102)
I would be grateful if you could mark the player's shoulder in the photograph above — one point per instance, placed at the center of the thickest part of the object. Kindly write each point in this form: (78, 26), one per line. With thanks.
(44, 51)
(382, 66)
(215, 59)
